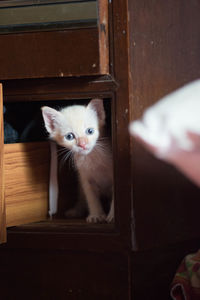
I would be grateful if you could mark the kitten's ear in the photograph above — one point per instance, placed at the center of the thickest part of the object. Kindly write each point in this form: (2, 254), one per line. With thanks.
(51, 118)
(97, 105)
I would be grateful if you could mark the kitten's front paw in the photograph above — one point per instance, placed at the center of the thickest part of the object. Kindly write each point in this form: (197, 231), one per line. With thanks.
(96, 218)
(110, 218)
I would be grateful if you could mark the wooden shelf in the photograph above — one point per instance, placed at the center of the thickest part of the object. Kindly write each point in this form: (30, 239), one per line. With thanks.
(66, 225)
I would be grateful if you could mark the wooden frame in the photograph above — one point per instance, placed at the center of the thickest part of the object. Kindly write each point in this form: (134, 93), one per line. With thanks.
(2, 198)
(69, 233)
(103, 36)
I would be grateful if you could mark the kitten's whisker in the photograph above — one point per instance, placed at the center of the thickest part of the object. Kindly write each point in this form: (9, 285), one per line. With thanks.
(62, 151)
(101, 146)
(60, 154)
(103, 138)
(71, 161)
(68, 155)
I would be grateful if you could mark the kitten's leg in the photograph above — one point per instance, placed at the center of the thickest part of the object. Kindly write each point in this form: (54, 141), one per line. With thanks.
(110, 217)
(96, 213)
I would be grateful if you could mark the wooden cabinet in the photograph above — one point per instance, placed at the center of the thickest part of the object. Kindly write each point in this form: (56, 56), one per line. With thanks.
(153, 49)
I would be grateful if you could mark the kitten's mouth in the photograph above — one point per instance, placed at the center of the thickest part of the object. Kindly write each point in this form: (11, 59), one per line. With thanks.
(82, 151)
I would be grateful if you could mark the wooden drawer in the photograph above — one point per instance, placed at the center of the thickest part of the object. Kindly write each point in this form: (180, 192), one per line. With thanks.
(64, 275)
(57, 52)
(26, 179)
(2, 200)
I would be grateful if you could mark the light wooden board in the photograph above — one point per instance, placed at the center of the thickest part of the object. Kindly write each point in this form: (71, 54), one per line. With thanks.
(26, 169)
(2, 202)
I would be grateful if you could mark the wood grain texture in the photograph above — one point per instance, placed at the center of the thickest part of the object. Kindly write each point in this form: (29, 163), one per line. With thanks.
(2, 199)
(49, 54)
(26, 182)
(121, 119)
(58, 88)
(103, 36)
(164, 49)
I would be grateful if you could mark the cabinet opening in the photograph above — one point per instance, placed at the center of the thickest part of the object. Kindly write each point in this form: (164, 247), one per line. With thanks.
(28, 175)
(23, 122)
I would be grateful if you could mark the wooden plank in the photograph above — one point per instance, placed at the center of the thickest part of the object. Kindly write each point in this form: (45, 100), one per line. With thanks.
(49, 54)
(11, 3)
(2, 200)
(24, 18)
(58, 88)
(103, 36)
(45, 274)
(26, 182)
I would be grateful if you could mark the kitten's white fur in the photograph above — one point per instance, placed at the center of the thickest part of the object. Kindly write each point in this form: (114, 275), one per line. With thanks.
(92, 156)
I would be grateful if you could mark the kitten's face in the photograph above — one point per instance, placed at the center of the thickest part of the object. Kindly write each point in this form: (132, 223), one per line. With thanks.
(79, 129)
(75, 127)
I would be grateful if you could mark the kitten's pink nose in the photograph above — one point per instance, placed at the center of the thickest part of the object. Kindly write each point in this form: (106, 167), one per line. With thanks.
(82, 142)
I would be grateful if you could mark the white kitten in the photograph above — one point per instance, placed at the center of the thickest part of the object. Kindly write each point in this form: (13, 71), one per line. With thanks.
(78, 128)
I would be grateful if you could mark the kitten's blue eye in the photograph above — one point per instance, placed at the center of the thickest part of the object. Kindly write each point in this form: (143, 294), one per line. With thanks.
(70, 136)
(89, 131)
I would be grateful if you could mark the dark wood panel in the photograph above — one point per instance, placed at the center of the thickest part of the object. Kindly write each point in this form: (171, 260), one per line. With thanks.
(154, 270)
(120, 115)
(49, 54)
(58, 88)
(68, 237)
(165, 47)
(63, 275)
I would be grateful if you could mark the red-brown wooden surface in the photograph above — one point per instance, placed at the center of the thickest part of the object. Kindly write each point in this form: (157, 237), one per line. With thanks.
(164, 47)
(49, 54)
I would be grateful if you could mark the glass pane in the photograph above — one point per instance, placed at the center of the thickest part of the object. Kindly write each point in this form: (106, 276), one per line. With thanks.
(47, 15)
